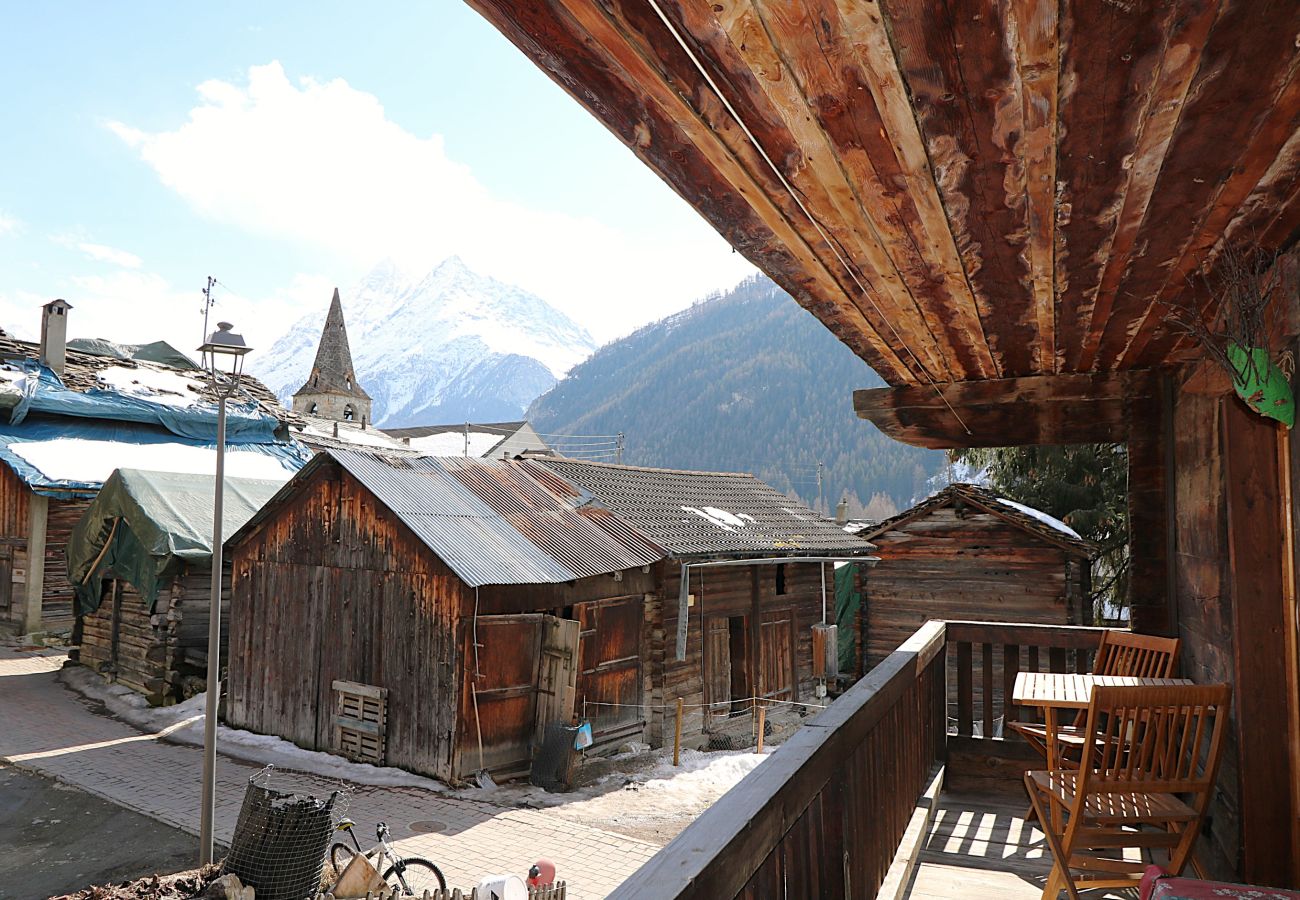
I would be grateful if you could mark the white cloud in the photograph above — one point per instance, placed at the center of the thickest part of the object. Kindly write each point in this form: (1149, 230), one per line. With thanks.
(8, 224)
(103, 253)
(320, 163)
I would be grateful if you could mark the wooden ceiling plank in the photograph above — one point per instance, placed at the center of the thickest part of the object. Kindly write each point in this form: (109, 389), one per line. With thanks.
(1247, 60)
(1273, 152)
(1179, 62)
(882, 145)
(1038, 66)
(846, 320)
(1110, 59)
(826, 190)
(969, 135)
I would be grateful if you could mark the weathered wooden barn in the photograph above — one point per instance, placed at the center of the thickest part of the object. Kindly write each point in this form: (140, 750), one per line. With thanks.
(452, 600)
(140, 562)
(999, 208)
(425, 612)
(72, 416)
(966, 553)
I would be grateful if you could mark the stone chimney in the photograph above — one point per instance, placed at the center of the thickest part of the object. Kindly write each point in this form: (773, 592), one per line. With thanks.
(54, 335)
(842, 511)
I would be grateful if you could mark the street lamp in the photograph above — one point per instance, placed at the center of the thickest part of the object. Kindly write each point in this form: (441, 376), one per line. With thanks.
(223, 357)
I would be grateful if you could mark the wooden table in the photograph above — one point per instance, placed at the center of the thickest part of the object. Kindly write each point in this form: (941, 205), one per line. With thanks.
(1051, 691)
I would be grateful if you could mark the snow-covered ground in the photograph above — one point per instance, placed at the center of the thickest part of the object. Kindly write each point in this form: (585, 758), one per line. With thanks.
(183, 724)
(640, 794)
(645, 797)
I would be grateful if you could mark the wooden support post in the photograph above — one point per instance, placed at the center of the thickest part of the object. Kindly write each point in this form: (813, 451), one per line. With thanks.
(1150, 436)
(677, 735)
(38, 507)
(1255, 549)
(762, 724)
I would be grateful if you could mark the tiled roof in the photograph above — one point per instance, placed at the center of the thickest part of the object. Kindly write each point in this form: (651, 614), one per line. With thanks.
(1036, 523)
(696, 514)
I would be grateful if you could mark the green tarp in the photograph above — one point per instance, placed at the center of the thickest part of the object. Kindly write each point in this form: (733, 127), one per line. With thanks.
(144, 527)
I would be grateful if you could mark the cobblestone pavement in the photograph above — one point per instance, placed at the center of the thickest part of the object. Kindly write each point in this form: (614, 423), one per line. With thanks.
(46, 727)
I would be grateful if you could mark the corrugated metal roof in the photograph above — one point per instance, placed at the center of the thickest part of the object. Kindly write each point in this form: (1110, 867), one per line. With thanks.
(699, 513)
(494, 524)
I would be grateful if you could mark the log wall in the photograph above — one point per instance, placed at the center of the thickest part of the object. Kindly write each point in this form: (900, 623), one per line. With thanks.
(161, 654)
(13, 549)
(57, 611)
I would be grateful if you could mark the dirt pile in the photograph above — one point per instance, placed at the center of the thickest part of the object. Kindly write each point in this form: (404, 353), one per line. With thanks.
(178, 886)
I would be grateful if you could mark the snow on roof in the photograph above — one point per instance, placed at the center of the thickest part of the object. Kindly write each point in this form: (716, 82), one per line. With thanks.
(84, 460)
(452, 443)
(1041, 516)
(158, 385)
(349, 433)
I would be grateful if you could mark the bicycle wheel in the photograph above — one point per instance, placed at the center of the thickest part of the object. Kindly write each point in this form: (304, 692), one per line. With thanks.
(340, 855)
(413, 876)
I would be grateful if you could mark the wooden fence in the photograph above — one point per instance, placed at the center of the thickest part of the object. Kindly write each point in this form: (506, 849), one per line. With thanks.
(556, 892)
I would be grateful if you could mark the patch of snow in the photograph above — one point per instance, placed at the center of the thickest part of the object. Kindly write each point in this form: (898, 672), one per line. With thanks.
(452, 443)
(183, 724)
(725, 520)
(13, 374)
(170, 388)
(1041, 516)
(80, 459)
(351, 433)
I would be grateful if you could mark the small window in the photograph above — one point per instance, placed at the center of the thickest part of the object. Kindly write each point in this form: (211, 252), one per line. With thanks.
(780, 578)
(349, 381)
(348, 413)
(311, 410)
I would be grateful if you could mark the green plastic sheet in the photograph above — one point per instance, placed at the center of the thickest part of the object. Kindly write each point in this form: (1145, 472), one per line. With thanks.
(146, 527)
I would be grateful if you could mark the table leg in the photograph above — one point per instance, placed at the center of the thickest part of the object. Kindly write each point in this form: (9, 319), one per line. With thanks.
(1053, 763)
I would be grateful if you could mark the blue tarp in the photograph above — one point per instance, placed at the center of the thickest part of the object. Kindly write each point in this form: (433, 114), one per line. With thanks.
(291, 455)
(43, 392)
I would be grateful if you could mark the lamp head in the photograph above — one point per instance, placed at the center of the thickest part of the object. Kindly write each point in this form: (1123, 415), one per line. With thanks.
(224, 351)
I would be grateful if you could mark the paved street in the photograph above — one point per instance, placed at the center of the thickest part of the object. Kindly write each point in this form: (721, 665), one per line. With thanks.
(50, 729)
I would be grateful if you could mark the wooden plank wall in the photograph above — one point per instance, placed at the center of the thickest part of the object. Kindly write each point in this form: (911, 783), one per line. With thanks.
(969, 566)
(57, 601)
(726, 591)
(333, 587)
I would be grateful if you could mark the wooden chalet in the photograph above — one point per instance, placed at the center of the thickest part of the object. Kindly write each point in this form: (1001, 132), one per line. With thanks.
(72, 416)
(140, 562)
(967, 553)
(997, 208)
(480, 600)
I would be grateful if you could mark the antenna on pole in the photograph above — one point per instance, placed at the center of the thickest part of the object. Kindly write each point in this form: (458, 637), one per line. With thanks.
(207, 305)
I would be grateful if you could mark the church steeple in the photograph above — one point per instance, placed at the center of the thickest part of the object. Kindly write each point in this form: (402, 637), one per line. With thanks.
(332, 390)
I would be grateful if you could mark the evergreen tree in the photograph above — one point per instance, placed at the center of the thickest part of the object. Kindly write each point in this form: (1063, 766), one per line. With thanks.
(1083, 485)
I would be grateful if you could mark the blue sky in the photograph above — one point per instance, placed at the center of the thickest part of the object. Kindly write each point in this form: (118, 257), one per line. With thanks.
(288, 147)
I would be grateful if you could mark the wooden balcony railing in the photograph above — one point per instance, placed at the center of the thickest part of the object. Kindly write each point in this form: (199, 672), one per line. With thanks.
(825, 815)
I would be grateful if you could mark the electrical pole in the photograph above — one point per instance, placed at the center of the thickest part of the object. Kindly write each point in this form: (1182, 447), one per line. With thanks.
(466, 440)
(618, 452)
(821, 504)
(207, 304)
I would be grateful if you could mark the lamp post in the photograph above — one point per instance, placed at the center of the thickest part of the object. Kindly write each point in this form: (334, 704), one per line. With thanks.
(223, 357)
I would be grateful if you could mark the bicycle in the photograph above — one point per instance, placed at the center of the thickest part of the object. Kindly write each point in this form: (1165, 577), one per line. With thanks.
(412, 875)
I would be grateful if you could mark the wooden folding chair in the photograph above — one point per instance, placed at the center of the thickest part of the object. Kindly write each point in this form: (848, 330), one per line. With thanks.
(1150, 758)
(1119, 653)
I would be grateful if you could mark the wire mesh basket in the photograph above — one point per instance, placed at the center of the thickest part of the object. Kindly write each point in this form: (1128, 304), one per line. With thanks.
(281, 838)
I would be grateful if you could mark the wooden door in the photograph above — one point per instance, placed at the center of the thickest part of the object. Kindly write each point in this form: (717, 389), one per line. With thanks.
(6, 576)
(776, 675)
(557, 674)
(717, 667)
(609, 682)
(500, 702)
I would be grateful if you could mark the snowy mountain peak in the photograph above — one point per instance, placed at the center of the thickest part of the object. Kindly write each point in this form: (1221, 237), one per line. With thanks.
(454, 345)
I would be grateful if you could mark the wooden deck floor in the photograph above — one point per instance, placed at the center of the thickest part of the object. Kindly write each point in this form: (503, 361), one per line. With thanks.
(980, 846)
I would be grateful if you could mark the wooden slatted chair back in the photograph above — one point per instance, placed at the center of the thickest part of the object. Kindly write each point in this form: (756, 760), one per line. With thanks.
(1164, 739)
(1136, 655)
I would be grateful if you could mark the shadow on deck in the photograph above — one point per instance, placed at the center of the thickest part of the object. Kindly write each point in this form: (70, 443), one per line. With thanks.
(979, 845)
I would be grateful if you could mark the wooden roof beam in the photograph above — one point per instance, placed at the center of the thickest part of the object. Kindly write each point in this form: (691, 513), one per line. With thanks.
(1008, 412)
